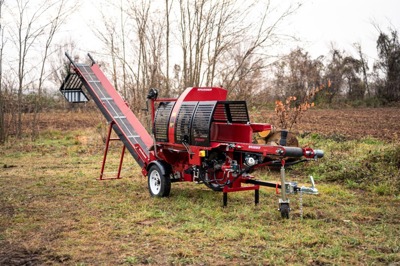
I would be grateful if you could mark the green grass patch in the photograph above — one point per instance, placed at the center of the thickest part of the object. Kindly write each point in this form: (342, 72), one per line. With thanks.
(367, 163)
(54, 211)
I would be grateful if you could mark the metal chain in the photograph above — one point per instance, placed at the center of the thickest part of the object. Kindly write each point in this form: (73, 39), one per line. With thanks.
(301, 204)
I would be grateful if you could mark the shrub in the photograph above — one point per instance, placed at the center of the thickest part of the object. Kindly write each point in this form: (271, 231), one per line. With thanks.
(366, 164)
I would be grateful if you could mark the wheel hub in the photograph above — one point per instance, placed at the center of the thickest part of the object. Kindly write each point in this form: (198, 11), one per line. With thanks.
(155, 182)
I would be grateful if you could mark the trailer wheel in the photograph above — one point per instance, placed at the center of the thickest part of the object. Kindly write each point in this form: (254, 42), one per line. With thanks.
(159, 184)
(284, 209)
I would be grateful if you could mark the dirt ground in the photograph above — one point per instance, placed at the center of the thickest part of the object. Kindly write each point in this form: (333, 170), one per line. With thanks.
(381, 123)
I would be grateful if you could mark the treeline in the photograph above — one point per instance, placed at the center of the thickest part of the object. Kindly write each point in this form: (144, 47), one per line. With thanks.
(341, 77)
(228, 43)
(174, 44)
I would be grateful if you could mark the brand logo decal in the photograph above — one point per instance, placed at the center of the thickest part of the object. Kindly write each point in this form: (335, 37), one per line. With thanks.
(254, 147)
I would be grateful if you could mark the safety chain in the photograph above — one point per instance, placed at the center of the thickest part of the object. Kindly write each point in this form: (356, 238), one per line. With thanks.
(301, 204)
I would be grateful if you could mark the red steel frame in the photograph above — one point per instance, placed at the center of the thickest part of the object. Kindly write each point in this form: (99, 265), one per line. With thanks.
(133, 120)
(229, 138)
(105, 155)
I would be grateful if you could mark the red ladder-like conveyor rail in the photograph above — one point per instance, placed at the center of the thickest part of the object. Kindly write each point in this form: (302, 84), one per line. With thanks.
(124, 122)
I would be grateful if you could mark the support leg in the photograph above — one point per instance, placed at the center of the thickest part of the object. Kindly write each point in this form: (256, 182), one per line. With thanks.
(284, 201)
(120, 162)
(225, 199)
(106, 150)
(256, 196)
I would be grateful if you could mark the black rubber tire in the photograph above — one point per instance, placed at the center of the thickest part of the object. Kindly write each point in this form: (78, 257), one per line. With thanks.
(159, 184)
(284, 209)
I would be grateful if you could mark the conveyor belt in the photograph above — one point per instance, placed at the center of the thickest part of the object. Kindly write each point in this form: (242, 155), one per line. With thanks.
(125, 123)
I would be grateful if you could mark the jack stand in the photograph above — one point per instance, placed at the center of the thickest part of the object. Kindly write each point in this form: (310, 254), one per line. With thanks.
(283, 201)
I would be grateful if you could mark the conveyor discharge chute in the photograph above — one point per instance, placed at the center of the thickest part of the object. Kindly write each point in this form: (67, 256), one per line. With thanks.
(128, 128)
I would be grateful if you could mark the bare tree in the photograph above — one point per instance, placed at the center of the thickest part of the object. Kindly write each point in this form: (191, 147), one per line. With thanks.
(221, 45)
(24, 36)
(224, 34)
(32, 23)
(140, 14)
(266, 35)
(108, 35)
(352, 69)
(344, 73)
(9, 104)
(334, 73)
(297, 73)
(3, 135)
(168, 7)
(50, 30)
(60, 66)
(123, 22)
(208, 42)
(196, 18)
(150, 33)
(248, 79)
(364, 66)
(388, 46)
(115, 36)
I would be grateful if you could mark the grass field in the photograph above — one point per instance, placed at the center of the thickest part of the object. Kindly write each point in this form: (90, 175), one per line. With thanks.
(54, 211)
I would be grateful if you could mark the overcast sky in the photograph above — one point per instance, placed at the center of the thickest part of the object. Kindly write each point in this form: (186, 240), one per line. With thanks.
(344, 22)
(318, 23)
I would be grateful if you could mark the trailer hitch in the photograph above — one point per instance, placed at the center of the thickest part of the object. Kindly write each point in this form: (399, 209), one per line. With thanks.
(288, 188)
(310, 190)
(293, 188)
